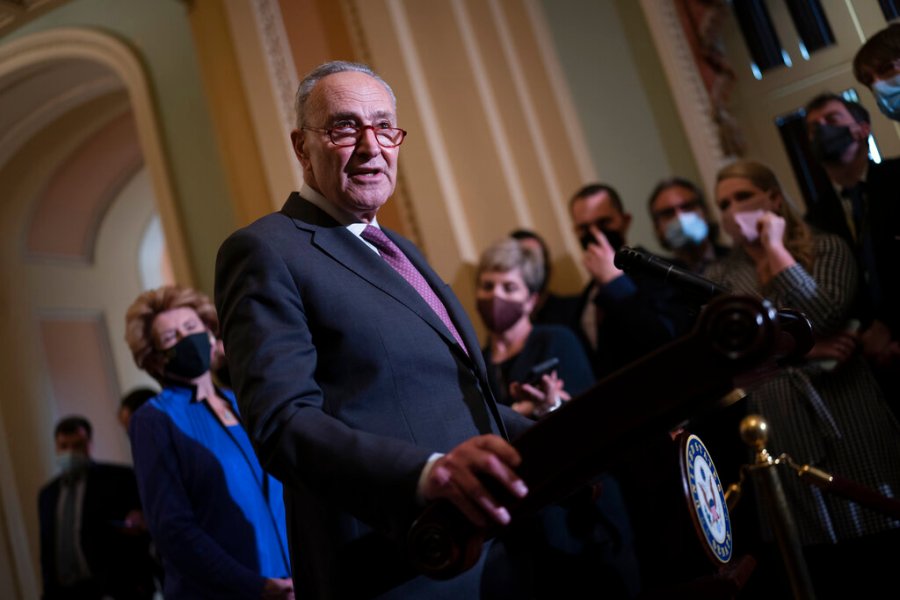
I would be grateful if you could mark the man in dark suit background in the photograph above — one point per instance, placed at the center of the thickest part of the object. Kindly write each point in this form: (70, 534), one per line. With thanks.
(357, 371)
(619, 316)
(865, 211)
(93, 541)
(623, 317)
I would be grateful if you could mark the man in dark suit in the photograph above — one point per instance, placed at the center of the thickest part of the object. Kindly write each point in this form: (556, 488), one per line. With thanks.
(619, 317)
(357, 371)
(93, 542)
(865, 211)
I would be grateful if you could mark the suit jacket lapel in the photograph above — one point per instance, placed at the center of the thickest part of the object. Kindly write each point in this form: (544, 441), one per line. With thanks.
(454, 308)
(335, 240)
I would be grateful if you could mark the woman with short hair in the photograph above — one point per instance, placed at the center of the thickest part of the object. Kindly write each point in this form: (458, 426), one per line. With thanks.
(215, 515)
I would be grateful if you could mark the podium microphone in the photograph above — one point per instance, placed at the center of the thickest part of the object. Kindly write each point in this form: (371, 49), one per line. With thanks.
(701, 288)
(796, 331)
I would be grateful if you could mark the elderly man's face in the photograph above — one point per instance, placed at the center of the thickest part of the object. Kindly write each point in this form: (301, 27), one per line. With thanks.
(360, 178)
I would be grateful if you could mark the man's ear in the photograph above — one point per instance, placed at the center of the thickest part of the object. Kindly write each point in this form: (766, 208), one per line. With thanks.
(626, 221)
(298, 141)
(531, 303)
(865, 129)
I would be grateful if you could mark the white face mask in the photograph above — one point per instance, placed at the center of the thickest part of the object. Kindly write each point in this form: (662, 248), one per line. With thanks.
(70, 462)
(887, 93)
(686, 229)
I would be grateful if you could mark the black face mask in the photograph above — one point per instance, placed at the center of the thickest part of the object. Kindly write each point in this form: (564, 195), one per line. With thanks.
(829, 142)
(189, 358)
(613, 237)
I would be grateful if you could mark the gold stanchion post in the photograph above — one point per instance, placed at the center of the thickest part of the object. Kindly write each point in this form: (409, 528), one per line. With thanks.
(754, 432)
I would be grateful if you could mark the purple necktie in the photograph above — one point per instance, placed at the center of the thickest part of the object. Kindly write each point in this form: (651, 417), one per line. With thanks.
(400, 263)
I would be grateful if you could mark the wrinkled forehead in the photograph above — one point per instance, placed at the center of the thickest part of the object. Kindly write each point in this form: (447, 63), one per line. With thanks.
(351, 94)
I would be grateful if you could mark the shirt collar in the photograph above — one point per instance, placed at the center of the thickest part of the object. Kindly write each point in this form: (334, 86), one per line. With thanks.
(341, 216)
(862, 180)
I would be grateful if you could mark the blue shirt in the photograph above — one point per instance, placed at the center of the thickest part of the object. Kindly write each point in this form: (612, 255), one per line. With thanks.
(216, 517)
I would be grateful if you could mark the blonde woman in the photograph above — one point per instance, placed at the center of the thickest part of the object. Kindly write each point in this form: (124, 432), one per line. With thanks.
(835, 419)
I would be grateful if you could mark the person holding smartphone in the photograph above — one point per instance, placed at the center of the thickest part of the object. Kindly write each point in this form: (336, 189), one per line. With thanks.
(509, 279)
(585, 540)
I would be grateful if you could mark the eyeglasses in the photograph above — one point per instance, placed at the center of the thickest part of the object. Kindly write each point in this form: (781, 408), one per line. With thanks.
(349, 135)
(668, 213)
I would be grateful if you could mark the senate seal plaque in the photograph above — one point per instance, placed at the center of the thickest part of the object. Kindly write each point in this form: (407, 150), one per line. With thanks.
(706, 499)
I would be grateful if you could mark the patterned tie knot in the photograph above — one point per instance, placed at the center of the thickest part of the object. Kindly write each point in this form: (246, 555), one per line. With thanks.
(394, 257)
(377, 238)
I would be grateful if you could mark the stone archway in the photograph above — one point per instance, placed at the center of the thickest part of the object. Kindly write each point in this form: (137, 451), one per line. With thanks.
(83, 173)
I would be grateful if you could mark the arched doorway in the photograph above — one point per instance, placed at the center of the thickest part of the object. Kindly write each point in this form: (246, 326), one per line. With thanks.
(86, 200)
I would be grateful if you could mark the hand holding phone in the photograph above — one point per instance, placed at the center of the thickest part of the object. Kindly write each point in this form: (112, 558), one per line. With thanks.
(536, 373)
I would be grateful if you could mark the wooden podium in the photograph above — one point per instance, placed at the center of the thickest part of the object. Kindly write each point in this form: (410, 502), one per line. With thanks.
(736, 338)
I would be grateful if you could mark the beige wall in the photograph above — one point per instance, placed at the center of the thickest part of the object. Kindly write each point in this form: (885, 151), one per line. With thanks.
(633, 132)
(160, 37)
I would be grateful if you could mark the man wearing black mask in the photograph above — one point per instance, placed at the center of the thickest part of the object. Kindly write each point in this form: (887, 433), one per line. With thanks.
(866, 213)
(619, 317)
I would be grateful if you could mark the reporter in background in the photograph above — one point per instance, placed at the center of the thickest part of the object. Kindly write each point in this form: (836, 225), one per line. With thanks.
(548, 303)
(93, 543)
(865, 212)
(619, 317)
(835, 420)
(683, 224)
(585, 541)
(216, 517)
(876, 65)
(508, 281)
(132, 401)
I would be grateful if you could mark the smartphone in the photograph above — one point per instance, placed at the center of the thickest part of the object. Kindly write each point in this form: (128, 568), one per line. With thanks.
(537, 372)
(830, 364)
